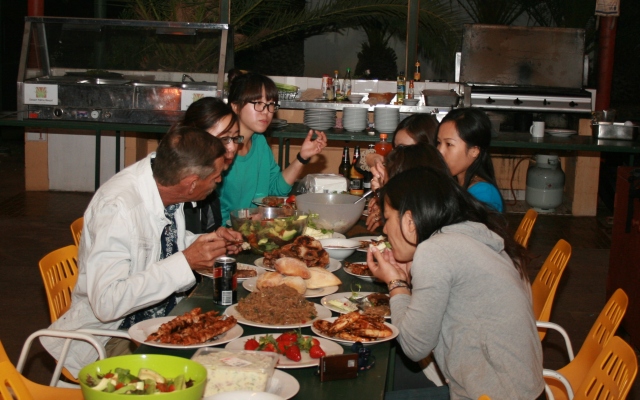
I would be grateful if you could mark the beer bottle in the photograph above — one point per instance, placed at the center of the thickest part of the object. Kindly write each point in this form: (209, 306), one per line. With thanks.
(355, 176)
(345, 167)
(416, 74)
(410, 93)
(346, 84)
(383, 147)
(366, 181)
(337, 90)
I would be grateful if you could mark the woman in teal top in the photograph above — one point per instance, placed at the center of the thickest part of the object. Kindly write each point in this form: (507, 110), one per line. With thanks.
(254, 172)
(464, 136)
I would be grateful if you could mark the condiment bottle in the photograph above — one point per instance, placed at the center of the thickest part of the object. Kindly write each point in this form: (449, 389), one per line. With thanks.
(401, 87)
(346, 85)
(416, 74)
(356, 187)
(383, 147)
(331, 95)
(325, 84)
(345, 167)
(337, 90)
(410, 93)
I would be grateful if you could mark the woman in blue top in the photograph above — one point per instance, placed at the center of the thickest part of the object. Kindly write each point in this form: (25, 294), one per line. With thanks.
(254, 172)
(464, 136)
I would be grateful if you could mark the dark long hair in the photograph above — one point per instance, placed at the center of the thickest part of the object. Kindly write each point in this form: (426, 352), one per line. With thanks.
(402, 158)
(207, 112)
(436, 200)
(248, 87)
(423, 128)
(474, 128)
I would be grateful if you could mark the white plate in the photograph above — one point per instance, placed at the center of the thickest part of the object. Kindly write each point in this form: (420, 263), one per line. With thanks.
(250, 285)
(140, 331)
(394, 331)
(334, 265)
(364, 239)
(280, 384)
(258, 201)
(344, 296)
(363, 277)
(259, 270)
(329, 347)
(320, 311)
(560, 132)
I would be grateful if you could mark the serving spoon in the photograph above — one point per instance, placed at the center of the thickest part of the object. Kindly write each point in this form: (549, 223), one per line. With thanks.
(367, 194)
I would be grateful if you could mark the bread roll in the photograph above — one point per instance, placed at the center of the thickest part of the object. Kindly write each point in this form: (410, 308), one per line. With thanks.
(292, 267)
(269, 279)
(296, 283)
(321, 278)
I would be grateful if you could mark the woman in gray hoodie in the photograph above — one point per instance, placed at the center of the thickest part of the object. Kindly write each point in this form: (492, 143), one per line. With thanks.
(458, 287)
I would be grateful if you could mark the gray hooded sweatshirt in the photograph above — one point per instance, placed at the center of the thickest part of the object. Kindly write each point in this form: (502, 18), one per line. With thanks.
(471, 308)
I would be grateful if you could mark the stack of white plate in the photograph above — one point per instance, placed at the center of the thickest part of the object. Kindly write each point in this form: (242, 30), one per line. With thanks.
(354, 119)
(386, 118)
(320, 118)
(278, 123)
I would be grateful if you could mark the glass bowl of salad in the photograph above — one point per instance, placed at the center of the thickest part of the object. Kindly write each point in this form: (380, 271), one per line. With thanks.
(268, 228)
(143, 375)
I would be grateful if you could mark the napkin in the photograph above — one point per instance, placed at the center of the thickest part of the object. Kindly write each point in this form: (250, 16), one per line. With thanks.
(325, 183)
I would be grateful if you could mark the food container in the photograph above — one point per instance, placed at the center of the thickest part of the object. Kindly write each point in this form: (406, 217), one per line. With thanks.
(338, 248)
(336, 212)
(233, 370)
(616, 130)
(268, 228)
(380, 98)
(167, 366)
(440, 98)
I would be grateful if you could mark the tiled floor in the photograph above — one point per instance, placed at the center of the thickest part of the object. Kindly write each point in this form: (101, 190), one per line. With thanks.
(35, 223)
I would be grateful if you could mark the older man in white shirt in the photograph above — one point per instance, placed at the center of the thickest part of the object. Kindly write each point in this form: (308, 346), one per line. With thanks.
(135, 256)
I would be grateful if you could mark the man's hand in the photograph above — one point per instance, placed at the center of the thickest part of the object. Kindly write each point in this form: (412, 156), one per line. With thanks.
(232, 238)
(203, 252)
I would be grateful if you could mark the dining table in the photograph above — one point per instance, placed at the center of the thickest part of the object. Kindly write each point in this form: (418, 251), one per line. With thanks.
(369, 384)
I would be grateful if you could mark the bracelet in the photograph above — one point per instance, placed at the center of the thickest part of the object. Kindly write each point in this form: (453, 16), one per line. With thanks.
(398, 287)
(396, 283)
(302, 160)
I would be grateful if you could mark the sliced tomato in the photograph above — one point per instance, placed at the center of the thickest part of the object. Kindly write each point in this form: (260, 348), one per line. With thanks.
(108, 375)
(119, 385)
(291, 199)
(161, 387)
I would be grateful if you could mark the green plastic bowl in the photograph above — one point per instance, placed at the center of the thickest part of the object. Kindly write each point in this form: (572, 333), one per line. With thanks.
(167, 366)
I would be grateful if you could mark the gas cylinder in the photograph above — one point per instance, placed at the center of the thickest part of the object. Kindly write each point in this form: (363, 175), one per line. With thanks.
(545, 183)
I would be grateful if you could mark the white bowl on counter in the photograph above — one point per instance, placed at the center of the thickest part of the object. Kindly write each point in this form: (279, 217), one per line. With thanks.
(339, 249)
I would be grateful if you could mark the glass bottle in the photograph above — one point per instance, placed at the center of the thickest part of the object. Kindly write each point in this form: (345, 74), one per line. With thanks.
(330, 92)
(366, 180)
(345, 167)
(337, 90)
(355, 176)
(383, 147)
(410, 92)
(401, 87)
(416, 74)
(346, 84)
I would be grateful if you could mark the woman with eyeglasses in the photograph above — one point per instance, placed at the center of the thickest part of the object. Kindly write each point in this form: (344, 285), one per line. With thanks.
(255, 173)
(216, 117)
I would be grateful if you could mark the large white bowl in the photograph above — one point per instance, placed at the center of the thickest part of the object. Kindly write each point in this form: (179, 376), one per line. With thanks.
(335, 211)
(340, 249)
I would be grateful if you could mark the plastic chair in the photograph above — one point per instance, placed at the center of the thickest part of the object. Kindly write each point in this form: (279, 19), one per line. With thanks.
(59, 270)
(609, 377)
(484, 397)
(543, 288)
(11, 384)
(76, 230)
(602, 330)
(523, 233)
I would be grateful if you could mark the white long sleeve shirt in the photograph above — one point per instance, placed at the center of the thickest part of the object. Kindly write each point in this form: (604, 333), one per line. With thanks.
(119, 264)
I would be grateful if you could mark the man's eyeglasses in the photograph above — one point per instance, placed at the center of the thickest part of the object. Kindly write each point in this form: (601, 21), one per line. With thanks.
(228, 139)
(259, 106)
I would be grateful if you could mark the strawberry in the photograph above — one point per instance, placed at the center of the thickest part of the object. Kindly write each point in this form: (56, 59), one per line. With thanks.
(282, 347)
(316, 351)
(269, 347)
(293, 353)
(251, 344)
(288, 337)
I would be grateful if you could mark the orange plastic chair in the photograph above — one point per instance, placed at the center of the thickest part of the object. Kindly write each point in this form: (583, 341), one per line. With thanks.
(13, 385)
(543, 288)
(523, 233)
(59, 270)
(76, 230)
(602, 330)
(484, 397)
(610, 376)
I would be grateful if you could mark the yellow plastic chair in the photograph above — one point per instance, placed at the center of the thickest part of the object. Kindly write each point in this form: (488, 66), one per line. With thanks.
(610, 376)
(59, 270)
(602, 330)
(543, 288)
(15, 386)
(484, 397)
(76, 230)
(523, 233)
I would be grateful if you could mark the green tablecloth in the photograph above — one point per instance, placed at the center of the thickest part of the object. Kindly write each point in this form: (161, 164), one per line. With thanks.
(368, 385)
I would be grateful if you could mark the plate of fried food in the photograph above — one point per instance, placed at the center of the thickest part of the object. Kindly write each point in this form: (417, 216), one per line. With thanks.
(304, 248)
(379, 241)
(333, 265)
(294, 349)
(368, 303)
(359, 270)
(244, 272)
(279, 307)
(355, 327)
(292, 272)
(191, 330)
(274, 201)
